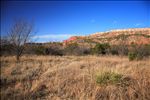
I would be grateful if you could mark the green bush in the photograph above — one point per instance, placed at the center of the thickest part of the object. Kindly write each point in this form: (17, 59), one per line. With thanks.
(101, 48)
(132, 56)
(108, 78)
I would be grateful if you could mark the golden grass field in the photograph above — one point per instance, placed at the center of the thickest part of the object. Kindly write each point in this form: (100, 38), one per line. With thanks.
(73, 78)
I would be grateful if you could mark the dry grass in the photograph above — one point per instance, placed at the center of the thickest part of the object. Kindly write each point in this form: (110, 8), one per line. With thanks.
(73, 78)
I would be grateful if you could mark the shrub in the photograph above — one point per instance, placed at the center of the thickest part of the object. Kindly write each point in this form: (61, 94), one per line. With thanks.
(39, 50)
(101, 48)
(132, 56)
(122, 49)
(114, 50)
(108, 78)
(143, 51)
(6, 49)
(43, 50)
(138, 52)
(75, 49)
(54, 51)
(71, 49)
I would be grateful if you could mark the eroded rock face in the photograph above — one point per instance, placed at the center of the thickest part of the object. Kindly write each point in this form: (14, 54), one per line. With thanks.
(71, 39)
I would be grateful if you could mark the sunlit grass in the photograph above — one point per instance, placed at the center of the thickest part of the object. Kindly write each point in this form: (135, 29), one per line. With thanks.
(75, 77)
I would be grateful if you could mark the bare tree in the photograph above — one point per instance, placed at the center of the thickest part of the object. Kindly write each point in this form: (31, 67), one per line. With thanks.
(19, 34)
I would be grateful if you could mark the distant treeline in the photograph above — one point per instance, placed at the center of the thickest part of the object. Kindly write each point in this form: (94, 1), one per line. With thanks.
(133, 51)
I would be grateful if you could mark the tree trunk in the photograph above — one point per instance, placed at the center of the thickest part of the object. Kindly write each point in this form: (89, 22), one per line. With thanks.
(18, 58)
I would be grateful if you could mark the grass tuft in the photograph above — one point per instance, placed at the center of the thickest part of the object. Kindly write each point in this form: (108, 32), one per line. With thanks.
(108, 78)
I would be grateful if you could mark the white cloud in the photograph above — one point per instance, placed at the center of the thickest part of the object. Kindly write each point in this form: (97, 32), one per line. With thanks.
(52, 37)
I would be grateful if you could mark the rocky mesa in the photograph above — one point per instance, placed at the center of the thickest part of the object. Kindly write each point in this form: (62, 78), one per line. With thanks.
(114, 37)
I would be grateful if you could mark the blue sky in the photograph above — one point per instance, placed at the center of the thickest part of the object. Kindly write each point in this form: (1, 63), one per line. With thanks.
(58, 20)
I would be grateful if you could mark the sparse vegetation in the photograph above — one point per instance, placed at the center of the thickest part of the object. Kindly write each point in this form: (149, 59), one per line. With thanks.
(138, 52)
(132, 56)
(56, 72)
(73, 77)
(101, 48)
(75, 49)
(106, 78)
(39, 50)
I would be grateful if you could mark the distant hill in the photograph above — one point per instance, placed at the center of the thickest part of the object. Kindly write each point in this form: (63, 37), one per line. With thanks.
(114, 37)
